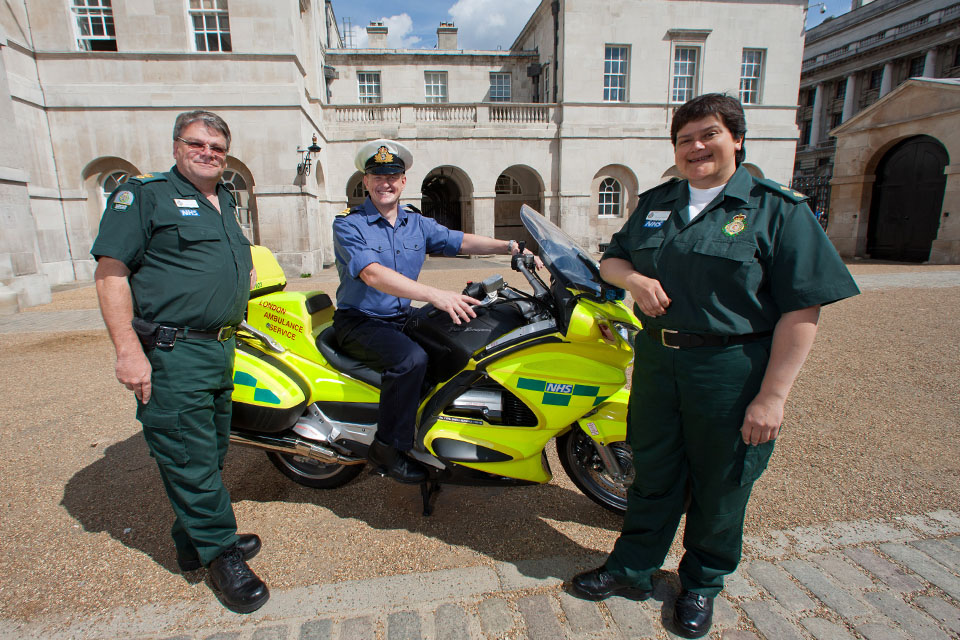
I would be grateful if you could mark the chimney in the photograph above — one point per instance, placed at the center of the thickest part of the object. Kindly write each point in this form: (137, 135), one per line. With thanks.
(376, 35)
(446, 36)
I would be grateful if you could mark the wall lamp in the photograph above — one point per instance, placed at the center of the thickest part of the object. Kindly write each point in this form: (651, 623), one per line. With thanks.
(306, 155)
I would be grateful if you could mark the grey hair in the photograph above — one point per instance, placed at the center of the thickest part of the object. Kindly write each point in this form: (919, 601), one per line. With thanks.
(208, 118)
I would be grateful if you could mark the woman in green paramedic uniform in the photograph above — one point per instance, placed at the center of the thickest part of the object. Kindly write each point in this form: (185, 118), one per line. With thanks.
(728, 273)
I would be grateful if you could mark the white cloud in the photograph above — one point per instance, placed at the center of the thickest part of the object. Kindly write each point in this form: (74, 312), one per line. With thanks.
(489, 24)
(398, 33)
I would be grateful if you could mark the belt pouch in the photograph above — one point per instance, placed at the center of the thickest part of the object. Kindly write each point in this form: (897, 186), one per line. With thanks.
(147, 332)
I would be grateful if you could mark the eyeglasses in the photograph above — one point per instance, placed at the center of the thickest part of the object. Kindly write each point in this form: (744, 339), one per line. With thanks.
(215, 149)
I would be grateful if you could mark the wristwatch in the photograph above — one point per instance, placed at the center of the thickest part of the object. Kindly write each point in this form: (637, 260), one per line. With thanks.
(511, 245)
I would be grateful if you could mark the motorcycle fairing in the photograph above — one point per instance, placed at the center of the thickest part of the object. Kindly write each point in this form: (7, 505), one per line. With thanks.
(609, 423)
(292, 318)
(558, 397)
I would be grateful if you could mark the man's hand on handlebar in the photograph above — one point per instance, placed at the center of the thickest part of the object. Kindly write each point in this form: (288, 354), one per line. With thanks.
(457, 305)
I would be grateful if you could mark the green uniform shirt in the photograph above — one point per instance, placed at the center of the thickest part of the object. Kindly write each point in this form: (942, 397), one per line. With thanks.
(189, 265)
(754, 253)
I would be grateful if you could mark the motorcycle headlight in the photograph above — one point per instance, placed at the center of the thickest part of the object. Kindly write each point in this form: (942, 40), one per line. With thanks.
(626, 331)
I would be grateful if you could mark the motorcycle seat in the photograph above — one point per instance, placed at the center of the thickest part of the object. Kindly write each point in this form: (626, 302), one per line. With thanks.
(328, 346)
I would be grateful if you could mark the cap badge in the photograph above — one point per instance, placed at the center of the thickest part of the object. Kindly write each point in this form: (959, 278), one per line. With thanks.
(736, 225)
(383, 156)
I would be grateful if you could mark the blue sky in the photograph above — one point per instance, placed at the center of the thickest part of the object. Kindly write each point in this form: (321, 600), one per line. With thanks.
(482, 24)
(833, 8)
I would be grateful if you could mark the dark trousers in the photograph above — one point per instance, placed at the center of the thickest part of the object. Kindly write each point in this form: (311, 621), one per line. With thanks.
(381, 344)
(186, 425)
(686, 410)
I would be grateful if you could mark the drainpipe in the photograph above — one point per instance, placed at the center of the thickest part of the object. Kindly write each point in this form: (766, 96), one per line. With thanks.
(555, 9)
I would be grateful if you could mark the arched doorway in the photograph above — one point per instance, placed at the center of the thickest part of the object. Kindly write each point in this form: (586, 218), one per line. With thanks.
(516, 186)
(441, 198)
(907, 198)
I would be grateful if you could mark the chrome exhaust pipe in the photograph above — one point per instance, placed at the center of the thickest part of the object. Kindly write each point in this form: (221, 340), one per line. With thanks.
(294, 446)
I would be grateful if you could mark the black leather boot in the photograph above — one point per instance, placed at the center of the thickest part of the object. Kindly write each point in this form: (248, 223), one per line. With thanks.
(693, 614)
(395, 463)
(249, 544)
(599, 584)
(239, 588)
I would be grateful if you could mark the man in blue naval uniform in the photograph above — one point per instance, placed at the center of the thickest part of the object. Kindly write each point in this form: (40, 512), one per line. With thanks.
(380, 247)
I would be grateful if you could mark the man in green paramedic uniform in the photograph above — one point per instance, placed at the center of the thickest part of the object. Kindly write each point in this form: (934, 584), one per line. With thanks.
(173, 277)
(728, 273)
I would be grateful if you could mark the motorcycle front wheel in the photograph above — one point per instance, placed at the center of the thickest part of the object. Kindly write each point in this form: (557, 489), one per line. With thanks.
(583, 465)
(313, 473)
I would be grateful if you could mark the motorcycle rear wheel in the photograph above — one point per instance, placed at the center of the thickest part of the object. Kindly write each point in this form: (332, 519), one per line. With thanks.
(583, 465)
(313, 473)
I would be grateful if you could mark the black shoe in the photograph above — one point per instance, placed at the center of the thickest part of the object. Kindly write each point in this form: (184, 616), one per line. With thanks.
(693, 614)
(599, 584)
(395, 463)
(249, 544)
(239, 588)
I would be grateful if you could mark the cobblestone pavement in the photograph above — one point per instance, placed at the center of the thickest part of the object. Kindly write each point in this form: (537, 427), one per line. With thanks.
(869, 580)
(877, 580)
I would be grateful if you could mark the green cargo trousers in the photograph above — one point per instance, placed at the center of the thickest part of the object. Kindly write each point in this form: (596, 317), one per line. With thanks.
(186, 425)
(685, 413)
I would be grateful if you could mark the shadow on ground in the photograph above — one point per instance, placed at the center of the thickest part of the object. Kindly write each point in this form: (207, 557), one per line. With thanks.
(510, 524)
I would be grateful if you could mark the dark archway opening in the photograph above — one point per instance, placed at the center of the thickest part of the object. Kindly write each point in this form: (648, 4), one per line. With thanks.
(440, 200)
(907, 198)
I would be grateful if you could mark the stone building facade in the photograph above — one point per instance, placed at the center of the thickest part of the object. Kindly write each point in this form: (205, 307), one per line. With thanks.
(876, 127)
(894, 184)
(572, 119)
(851, 61)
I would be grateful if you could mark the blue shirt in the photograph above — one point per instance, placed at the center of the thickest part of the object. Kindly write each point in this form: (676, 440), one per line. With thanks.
(363, 237)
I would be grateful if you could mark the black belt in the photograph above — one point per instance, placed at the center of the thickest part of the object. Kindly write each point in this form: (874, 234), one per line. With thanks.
(152, 334)
(675, 339)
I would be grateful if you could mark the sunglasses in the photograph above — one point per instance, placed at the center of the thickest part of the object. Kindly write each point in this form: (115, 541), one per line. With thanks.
(215, 149)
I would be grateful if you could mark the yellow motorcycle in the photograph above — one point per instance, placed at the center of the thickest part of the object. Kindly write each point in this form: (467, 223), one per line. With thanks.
(530, 368)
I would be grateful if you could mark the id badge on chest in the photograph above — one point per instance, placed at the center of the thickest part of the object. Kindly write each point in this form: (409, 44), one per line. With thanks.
(655, 219)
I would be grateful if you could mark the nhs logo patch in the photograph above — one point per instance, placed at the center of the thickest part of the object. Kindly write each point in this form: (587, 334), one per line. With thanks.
(189, 212)
(556, 387)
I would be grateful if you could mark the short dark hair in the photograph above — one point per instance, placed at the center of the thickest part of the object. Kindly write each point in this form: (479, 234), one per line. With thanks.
(725, 107)
(208, 118)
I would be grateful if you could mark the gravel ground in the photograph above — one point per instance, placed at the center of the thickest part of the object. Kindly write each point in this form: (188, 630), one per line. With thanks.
(870, 431)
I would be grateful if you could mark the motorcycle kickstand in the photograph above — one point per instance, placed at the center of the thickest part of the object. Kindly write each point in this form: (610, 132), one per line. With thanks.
(429, 489)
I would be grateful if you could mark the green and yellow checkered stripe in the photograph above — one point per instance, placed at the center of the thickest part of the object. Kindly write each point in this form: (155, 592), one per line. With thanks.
(260, 394)
(560, 394)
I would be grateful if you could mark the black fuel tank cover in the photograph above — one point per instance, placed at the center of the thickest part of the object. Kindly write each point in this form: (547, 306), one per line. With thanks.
(460, 451)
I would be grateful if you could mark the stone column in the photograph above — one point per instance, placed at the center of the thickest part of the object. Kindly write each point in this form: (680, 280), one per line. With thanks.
(816, 122)
(886, 84)
(483, 215)
(22, 283)
(849, 98)
(946, 247)
(930, 64)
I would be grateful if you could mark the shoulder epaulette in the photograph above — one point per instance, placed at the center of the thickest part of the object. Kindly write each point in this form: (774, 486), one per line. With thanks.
(788, 193)
(144, 178)
(663, 185)
(349, 210)
(410, 208)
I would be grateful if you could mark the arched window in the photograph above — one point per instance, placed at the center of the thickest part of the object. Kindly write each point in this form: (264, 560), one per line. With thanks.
(610, 198)
(110, 182)
(507, 186)
(241, 194)
(359, 191)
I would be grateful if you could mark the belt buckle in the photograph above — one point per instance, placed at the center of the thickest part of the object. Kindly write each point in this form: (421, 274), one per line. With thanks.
(663, 338)
(224, 334)
(166, 337)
